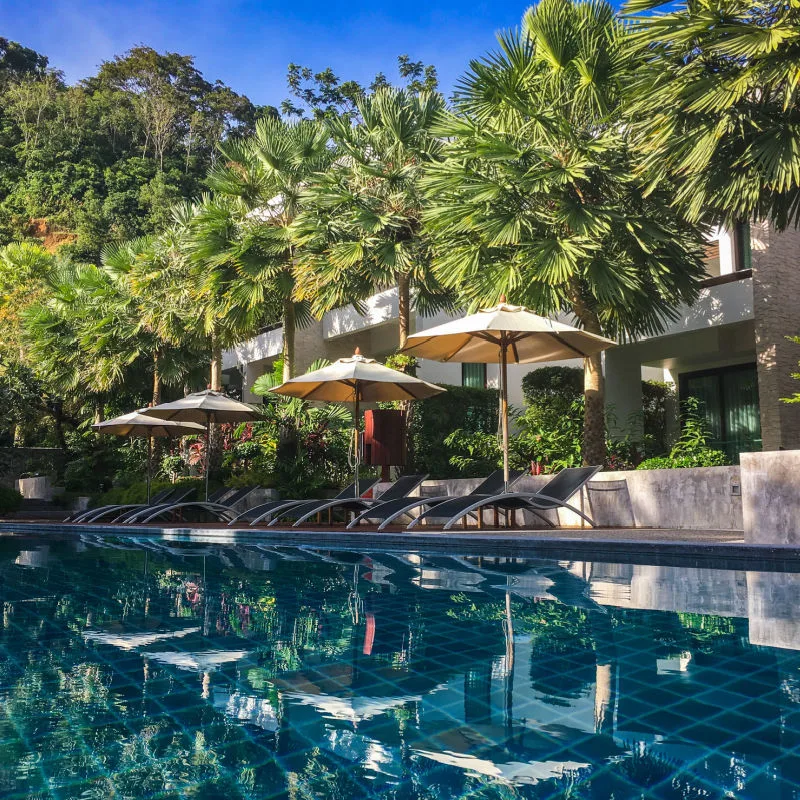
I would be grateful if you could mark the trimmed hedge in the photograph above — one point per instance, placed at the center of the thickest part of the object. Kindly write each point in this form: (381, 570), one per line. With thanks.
(432, 420)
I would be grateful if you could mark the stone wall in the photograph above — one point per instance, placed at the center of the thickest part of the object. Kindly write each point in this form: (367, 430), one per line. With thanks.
(776, 287)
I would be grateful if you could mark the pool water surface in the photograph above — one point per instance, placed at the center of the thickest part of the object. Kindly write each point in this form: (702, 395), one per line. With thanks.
(138, 668)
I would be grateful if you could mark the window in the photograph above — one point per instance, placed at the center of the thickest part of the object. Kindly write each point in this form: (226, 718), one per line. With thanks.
(742, 256)
(711, 258)
(473, 376)
(730, 401)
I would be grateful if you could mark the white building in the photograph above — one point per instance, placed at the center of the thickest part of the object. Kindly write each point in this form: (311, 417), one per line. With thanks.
(730, 348)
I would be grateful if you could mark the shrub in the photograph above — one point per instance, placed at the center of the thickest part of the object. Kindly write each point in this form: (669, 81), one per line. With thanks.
(460, 408)
(706, 458)
(657, 404)
(10, 500)
(692, 448)
(561, 385)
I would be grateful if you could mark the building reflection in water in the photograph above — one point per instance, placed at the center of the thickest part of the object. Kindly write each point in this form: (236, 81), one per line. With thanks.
(253, 670)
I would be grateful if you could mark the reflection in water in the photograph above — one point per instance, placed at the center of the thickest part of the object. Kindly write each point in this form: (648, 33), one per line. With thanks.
(144, 668)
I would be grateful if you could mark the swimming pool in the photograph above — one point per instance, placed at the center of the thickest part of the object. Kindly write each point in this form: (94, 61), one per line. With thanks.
(149, 668)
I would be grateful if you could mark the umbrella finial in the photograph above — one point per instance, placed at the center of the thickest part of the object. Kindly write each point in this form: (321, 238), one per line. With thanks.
(502, 298)
(357, 351)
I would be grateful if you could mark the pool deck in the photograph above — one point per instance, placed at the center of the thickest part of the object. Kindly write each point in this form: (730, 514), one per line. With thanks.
(722, 548)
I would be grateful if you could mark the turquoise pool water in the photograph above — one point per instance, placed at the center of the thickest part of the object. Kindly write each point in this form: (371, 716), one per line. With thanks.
(166, 669)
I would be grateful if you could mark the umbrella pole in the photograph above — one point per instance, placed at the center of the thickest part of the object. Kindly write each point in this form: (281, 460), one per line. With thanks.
(504, 405)
(208, 449)
(357, 454)
(149, 465)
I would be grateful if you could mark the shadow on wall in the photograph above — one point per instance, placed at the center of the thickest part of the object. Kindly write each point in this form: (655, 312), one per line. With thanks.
(610, 503)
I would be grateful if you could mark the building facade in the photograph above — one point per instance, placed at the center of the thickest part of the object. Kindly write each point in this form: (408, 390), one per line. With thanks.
(730, 349)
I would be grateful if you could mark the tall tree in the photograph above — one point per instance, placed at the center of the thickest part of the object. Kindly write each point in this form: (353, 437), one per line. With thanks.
(716, 106)
(537, 199)
(259, 193)
(361, 228)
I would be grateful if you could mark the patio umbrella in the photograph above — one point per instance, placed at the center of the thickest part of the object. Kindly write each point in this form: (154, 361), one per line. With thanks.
(138, 424)
(501, 334)
(357, 380)
(207, 407)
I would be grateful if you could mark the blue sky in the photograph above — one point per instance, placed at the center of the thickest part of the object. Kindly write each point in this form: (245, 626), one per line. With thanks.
(249, 43)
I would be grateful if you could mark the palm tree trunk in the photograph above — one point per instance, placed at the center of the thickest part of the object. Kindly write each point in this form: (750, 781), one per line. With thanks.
(289, 329)
(216, 362)
(99, 409)
(156, 379)
(594, 412)
(403, 307)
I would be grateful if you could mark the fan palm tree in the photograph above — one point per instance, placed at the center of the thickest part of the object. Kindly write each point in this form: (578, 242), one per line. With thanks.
(537, 198)
(361, 228)
(150, 307)
(258, 186)
(715, 105)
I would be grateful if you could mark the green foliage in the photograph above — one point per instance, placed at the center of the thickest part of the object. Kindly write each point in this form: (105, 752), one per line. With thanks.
(360, 230)
(552, 434)
(302, 449)
(714, 105)
(460, 408)
(326, 96)
(658, 399)
(103, 160)
(552, 385)
(402, 363)
(10, 500)
(474, 453)
(692, 448)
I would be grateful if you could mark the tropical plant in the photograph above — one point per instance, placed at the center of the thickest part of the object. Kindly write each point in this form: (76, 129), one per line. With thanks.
(714, 105)
(693, 448)
(361, 228)
(538, 199)
(306, 448)
(245, 229)
(152, 299)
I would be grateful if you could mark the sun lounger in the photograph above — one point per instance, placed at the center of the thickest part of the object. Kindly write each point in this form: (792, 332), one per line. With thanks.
(220, 508)
(554, 495)
(95, 513)
(399, 490)
(390, 510)
(266, 510)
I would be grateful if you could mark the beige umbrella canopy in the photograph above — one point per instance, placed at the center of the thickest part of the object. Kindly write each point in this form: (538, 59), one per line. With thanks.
(501, 334)
(136, 423)
(206, 407)
(357, 380)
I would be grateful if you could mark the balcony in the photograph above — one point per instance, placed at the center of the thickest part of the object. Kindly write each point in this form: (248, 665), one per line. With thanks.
(267, 344)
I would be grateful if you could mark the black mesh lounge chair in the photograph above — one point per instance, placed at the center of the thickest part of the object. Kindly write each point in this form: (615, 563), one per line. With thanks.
(390, 510)
(136, 514)
(218, 507)
(555, 494)
(181, 495)
(92, 514)
(399, 490)
(267, 510)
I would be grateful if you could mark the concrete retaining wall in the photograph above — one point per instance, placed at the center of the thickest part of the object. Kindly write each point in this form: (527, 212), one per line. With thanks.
(701, 499)
(771, 497)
